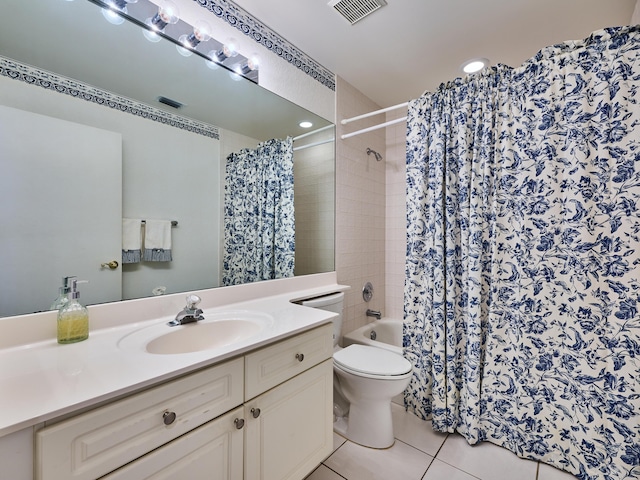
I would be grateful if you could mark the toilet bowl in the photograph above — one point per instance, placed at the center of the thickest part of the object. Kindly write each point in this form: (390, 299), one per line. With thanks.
(366, 378)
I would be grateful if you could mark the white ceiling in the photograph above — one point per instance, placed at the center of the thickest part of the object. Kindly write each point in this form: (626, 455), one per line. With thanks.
(409, 46)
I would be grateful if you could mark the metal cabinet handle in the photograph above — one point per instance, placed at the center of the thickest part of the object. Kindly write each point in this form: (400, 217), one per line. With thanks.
(255, 412)
(168, 417)
(299, 357)
(112, 265)
(239, 423)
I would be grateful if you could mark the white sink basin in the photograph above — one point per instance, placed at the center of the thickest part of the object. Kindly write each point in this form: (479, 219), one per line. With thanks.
(220, 329)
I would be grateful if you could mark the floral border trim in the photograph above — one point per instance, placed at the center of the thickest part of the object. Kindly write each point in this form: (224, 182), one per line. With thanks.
(51, 81)
(251, 27)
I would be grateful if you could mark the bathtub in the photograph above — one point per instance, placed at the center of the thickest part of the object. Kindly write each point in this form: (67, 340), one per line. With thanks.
(388, 335)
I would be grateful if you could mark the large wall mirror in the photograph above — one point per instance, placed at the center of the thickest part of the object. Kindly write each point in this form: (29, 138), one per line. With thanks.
(85, 142)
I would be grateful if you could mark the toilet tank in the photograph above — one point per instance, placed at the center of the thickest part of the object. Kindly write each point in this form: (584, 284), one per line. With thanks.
(333, 302)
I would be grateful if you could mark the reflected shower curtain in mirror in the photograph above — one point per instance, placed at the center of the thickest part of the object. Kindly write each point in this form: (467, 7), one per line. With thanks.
(523, 256)
(259, 230)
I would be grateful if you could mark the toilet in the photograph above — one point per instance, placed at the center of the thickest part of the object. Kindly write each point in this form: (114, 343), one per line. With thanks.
(365, 380)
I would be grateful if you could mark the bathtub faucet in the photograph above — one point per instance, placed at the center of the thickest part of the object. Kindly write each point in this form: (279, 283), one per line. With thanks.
(374, 313)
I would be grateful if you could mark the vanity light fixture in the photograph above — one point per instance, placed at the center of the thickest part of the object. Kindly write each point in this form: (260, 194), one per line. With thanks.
(474, 65)
(156, 15)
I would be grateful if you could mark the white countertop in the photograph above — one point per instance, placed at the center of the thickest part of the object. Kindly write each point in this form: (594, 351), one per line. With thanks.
(43, 380)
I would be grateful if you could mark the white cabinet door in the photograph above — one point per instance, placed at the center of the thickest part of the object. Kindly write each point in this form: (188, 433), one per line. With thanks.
(69, 176)
(213, 451)
(289, 428)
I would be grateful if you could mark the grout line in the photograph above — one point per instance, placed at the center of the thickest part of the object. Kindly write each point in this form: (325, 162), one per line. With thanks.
(447, 463)
(442, 445)
(331, 469)
(428, 467)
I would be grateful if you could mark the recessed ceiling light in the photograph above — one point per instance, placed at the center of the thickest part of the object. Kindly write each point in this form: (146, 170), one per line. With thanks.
(474, 65)
(306, 124)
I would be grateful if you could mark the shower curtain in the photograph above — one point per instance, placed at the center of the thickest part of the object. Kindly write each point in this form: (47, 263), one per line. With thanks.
(523, 256)
(259, 231)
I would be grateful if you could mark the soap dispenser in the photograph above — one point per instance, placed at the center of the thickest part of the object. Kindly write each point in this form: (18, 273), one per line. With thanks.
(73, 318)
(63, 297)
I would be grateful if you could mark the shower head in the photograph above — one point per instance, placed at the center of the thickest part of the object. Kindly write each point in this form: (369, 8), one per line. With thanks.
(375, 154)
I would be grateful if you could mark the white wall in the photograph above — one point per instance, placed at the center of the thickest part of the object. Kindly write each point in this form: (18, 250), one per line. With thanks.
(360, 207)
(166, 172)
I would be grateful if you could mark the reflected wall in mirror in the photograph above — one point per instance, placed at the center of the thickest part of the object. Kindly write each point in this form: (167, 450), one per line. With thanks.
(84, 77)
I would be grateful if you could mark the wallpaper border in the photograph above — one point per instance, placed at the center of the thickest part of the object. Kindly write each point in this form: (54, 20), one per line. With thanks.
(51, 81)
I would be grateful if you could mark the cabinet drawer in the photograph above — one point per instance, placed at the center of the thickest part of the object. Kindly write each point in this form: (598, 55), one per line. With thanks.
(212, 451)
(97, 442)
(276, 363)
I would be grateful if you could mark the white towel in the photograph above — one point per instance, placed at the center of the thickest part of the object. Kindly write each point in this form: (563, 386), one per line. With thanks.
(131, 240)
(157, 241)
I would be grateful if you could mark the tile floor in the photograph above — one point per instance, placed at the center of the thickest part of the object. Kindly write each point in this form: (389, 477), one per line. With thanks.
(419, 453)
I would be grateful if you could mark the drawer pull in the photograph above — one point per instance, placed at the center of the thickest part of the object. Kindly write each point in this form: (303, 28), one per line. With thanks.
(239, 423)
(299, 357)
(168, 417)
(255, 412)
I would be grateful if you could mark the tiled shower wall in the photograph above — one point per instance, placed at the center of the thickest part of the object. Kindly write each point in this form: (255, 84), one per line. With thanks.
(360, 206)
(396, 228)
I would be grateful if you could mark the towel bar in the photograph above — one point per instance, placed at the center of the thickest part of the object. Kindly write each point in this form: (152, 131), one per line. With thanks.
(174, 223)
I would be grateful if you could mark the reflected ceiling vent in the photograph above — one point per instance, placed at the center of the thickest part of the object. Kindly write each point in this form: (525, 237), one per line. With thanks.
(170, 102)
(355, 10)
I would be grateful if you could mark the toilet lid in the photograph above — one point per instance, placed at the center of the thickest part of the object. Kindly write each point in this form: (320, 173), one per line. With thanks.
(371, 360)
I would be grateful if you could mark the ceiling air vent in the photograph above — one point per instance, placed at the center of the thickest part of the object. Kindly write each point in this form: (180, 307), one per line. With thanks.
(170, 102)
(356, 10)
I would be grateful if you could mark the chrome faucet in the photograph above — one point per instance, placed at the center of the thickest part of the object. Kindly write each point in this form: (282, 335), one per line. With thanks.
(374, 313)
(189, 314)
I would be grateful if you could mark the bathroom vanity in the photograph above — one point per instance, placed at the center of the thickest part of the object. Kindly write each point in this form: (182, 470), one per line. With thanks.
(259, 409)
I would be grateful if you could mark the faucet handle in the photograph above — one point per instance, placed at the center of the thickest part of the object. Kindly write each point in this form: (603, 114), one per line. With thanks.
(193, 301)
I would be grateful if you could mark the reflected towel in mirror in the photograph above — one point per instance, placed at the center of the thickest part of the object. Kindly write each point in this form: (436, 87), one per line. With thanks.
(131, 240)
(157, 241)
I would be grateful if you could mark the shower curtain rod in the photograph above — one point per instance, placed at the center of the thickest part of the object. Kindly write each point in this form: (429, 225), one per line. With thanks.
(314, 144)
(371, 114)
(375, 127)
(313, 132)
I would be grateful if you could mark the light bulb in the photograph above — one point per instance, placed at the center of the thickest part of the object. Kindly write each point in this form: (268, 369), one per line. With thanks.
(112, 17)
(212, 64)
(168, 14)
(151, 35)
(228, 50)
(183, 50)
(252, 64)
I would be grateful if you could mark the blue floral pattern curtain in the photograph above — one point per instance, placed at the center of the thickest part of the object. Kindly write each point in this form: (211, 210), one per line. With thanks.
(259, 230)
(523, 256)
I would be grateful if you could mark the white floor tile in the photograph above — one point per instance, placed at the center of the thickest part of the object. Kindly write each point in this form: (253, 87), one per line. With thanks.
(416, 432)
(485, 460)
(440, 471)
(324, 473)
(547, 472)
(400, 461)
(338, 440)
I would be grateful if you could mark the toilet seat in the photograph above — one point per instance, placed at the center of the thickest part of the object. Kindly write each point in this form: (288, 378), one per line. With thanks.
(372, 362)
